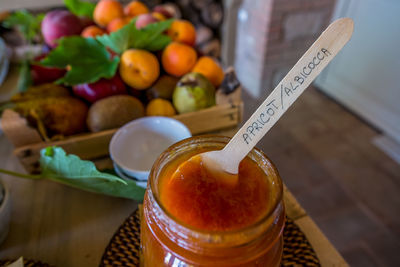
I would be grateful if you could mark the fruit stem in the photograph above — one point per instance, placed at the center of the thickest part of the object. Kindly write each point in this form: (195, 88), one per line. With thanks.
(28, 176)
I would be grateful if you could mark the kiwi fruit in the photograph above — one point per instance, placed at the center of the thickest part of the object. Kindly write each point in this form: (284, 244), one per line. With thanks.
(113, 112)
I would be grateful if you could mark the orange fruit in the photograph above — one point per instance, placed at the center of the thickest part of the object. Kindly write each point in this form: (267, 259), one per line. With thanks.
(92, 31)
(117, 24)
(107, 10)
(182, 31)
(139, 68)
(135, 8)
(158, 16)
(160, 107)
(210, 69)
(178, 59)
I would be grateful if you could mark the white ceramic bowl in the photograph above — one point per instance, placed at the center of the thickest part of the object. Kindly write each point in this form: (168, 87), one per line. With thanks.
(5, 212)
(141, 183)
(137, 144)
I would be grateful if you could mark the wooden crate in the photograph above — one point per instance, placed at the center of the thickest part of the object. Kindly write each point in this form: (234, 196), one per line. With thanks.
(94, 146)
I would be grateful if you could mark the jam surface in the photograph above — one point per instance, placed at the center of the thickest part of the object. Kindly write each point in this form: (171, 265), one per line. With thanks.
(200, 200)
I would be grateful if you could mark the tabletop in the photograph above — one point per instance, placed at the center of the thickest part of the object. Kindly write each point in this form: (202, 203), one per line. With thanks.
(63, 226)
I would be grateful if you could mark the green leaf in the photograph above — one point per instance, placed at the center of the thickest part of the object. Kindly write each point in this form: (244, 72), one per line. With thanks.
(54, 162)
(27, 23)
(80, 8)
(87, 60)
(82, 174)
(149, 38)
(24, 78)
(70, 170)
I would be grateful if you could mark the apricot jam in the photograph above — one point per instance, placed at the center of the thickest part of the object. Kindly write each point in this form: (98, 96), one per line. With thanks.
(194, 220)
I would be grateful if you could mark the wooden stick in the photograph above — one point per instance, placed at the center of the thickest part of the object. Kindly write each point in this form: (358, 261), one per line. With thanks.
(315, 59)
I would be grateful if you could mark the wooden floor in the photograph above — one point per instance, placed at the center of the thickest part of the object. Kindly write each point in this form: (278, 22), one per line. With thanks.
(349, 187)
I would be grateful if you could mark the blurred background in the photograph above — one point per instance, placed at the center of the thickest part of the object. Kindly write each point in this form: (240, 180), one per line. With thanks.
(338, 148)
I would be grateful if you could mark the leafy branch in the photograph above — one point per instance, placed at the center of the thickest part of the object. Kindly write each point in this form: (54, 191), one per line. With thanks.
(25, 22)
(149, 38)
(87, 60)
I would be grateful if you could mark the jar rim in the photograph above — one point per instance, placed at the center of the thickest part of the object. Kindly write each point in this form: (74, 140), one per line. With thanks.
(224, 140)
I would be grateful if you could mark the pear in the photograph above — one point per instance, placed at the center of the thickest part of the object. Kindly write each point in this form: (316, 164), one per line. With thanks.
(193, 92)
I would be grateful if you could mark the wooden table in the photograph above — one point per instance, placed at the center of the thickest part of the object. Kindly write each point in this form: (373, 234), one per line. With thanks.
(68, 227)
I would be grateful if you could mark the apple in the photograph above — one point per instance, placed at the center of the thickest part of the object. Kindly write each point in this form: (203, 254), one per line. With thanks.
(100, 89)
(42, 74)
(60, 23)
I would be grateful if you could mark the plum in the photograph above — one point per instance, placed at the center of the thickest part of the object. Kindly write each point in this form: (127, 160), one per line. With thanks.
(100, 89)
(172, 9)
(42, 74)
(86, 22)
(60, 23)
(144, 20)
(162, 10)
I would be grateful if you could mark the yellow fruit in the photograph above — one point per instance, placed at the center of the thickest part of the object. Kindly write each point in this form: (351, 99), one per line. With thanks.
(107, 10)
(92, 31)
(178, 59)
(160, 107)
(136, 8)
(182, 31)
(139, 68)
(158, 16)
(210, 69)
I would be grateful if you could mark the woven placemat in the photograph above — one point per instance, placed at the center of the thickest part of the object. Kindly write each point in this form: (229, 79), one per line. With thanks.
(27, 263)
(123, 249)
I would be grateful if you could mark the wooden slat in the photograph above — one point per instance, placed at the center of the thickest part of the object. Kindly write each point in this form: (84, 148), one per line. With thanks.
(95, 145)
(211, 119)
(87, 146)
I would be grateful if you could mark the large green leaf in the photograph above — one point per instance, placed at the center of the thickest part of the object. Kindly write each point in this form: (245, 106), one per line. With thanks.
(54, 162)
(149, 38)
(70, 170)
(80, 8)
(87, 60)
(82, 174)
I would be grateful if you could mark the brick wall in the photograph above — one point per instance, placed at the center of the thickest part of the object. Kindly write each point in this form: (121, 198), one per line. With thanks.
(272, 35)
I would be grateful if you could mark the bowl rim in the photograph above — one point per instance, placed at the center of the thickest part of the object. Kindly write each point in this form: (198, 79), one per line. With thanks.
(132, 124)
(124, 168)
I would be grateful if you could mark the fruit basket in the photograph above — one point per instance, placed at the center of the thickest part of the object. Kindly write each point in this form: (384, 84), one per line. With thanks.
(227, 113)
(110, 65)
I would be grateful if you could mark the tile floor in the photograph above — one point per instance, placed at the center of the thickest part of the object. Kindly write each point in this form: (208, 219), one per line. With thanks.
(349, 187)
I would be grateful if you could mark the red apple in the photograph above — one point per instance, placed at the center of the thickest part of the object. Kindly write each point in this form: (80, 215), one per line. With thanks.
(100, 89)
(42, 74)
(60, 23)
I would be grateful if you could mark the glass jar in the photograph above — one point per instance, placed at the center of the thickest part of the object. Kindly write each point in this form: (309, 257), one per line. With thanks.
(168, 242)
